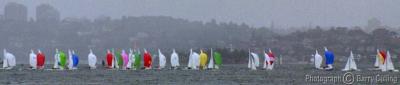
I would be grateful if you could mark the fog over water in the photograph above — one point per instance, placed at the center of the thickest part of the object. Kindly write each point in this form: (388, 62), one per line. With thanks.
(257, 13)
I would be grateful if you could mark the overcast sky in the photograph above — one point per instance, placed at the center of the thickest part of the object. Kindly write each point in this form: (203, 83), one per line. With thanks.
(284, 13)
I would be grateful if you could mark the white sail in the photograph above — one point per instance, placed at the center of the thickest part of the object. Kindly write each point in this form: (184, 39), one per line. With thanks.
(256, 59)
(174, 59)
(9, 60)
(32, 60)
(190, 62)
(195, 60)
(317, 60)
(92, 60)
(347, 66)
(253, 63)
(377, 59)
(131, 59)
(56, 59)
(389, 64)
(351, 64)
(266, 60)
(211, 62)
(70, 60)
(162, 59)
(384, 66)
(115, 59)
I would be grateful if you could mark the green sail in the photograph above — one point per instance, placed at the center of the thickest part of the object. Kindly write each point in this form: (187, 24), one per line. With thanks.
(217, 58)
(63, 59)
(119, 59)
(137, 60)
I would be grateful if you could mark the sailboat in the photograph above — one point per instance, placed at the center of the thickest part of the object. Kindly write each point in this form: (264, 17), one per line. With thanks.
(32, 60)
(388, 64)
(252, 61)
(131, 59)
(110, 59)
(211, 62)
(203, 60)
(256, 59)
(190, 61)
(40, 58)
(382, 59)
(9, 60)
(330, 58)
(266, 60)
(75, 60)
(270, 60)
(56, 60)
(317, 60)
(218, 60)
(125, 59)
(351, 64)
(174, 59)
(92, 59)
(62, 60)
(377, 64)
(70, 60)
(195, 60)
(162, 59)
(117, 59)
(137, 60)
(147, 60)
(215, 60)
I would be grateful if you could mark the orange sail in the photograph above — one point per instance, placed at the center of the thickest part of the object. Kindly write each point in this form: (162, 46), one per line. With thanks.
(382, 57)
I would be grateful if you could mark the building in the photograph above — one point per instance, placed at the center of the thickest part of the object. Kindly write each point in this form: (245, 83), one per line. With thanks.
(47, 13)
(15, 12)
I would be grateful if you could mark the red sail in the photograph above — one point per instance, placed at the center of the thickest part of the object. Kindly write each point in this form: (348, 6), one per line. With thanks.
(383, 54)
(271, 57)
(147, 60)
(40, 59)
(109, 59)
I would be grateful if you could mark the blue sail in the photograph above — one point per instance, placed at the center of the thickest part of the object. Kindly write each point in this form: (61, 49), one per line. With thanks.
(75, 60)
(329, 57)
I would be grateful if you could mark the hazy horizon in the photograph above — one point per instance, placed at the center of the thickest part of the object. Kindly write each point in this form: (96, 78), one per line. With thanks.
(257, 13)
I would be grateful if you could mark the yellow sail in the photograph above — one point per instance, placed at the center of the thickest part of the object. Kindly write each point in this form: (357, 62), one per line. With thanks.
(203, 59)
